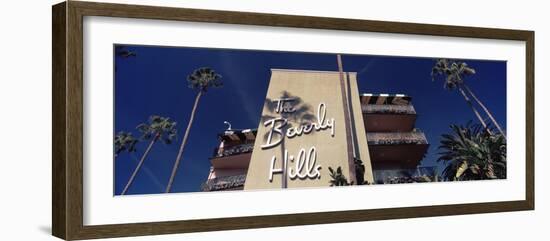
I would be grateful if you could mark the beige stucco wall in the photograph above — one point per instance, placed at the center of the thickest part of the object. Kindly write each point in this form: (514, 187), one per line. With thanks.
(313, 88)
(360, 132)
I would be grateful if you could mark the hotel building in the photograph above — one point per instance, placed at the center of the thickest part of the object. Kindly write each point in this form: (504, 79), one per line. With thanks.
(396, 146)
(230, 160)
(338, 127)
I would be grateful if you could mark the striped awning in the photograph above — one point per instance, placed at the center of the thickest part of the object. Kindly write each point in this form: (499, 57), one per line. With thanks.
(238, 135)
(385, 99)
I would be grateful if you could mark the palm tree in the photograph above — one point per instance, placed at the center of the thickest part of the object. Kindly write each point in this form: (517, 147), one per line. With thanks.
(123, 52)
(360, 172)
(157, 128)
(455, 72)
(200, 80)
(338, 178)
(125, 141)
(473, 154)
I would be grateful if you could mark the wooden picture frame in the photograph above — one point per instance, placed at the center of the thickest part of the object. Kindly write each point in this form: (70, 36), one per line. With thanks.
(67, 124)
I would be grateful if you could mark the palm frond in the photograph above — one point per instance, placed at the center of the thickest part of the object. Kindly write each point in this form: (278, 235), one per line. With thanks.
(453, 72)
(162, 128)
(204, 78)
(471, 153)
(125, 141)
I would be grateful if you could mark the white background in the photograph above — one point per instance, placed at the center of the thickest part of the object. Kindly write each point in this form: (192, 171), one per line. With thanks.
(25, 104)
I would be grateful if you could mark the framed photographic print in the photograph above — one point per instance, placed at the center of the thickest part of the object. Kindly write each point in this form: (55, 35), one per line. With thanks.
(170, 120)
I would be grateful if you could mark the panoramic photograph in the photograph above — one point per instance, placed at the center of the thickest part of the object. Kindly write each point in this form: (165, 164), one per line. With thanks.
(190, 119)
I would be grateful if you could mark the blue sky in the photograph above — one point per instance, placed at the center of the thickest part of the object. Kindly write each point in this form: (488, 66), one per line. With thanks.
(154, 83)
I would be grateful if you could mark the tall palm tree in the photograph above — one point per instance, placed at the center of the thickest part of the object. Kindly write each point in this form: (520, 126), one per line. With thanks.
(455, 72)
(157, 128)
(200, 80)
(125, 141)
(473, 154)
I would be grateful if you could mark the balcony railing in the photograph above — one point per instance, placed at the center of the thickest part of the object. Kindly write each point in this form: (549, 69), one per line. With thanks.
(223, 183)
(388, 109)
(233, 150)
(396, 138)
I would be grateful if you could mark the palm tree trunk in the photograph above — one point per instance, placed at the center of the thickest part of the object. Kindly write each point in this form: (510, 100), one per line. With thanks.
(138, 167)
(485, 109)
(474, 109)
(150, 174)
(183, 142)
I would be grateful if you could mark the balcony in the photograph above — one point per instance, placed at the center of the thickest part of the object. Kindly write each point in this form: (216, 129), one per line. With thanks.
(233, 150)
(237, 156)
(396, 150)
(388, 109)
(224, 183)
(388, 118)
(396, 138)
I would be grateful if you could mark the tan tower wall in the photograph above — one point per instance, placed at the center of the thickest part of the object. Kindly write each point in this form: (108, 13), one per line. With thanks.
(313, 93)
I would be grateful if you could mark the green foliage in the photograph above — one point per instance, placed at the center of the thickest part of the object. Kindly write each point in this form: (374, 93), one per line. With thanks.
(360, 172)
(472, 154)
(124, 141)
(338, 178)
(124, 52)
(203, 78)
(452, 71)
(158, 127)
